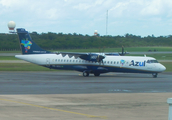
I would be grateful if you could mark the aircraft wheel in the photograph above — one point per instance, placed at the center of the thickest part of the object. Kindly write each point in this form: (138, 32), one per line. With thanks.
(154, 75)
(96, 74)
(85, 74)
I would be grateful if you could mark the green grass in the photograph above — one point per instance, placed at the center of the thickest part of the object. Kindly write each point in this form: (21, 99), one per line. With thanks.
(168, 66)
(161, 56)
(33, 67)
(106, 49)
(156, 56)
(128, 49)
(8, 58)
(10, 51)
(22, 67)
(145, 49)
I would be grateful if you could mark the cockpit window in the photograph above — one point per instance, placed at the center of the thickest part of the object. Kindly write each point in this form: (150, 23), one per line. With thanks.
(152, 61)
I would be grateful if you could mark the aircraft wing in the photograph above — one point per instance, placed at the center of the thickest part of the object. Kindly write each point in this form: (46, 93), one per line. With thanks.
(95, 57)
(71, 54)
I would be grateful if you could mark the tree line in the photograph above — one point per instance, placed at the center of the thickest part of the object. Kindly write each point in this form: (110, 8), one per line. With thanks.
(54, 41)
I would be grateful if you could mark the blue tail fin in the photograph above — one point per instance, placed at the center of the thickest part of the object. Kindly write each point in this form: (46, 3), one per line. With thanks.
(27, 45)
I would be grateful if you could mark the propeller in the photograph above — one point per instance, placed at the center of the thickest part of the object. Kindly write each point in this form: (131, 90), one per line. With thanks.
(101, 56)
(123, 53)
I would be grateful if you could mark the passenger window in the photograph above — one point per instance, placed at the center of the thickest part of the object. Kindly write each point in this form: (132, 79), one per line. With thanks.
(114, 62)
(117, 62)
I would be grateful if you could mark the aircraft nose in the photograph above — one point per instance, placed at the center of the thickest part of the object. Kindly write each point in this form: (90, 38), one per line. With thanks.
(163, 68)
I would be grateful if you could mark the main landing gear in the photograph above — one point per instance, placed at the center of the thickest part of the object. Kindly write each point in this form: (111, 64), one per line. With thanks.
(87, 73)
(96, 74)
(154, 75)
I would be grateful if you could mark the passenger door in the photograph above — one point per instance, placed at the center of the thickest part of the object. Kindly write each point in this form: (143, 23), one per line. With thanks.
(48, 62)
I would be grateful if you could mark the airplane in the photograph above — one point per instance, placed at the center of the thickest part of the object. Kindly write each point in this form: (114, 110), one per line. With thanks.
(87, 63)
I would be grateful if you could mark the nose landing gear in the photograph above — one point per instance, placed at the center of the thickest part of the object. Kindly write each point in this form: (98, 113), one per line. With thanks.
(154, 75)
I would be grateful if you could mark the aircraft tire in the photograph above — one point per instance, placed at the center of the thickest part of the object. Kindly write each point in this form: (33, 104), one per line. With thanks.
(96, 74)
(154, 75)
(85, 73)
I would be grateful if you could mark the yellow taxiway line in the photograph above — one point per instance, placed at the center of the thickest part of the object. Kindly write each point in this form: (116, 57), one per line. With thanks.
(87, 115)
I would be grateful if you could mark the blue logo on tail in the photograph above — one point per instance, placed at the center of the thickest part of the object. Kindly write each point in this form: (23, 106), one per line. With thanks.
(27, 45)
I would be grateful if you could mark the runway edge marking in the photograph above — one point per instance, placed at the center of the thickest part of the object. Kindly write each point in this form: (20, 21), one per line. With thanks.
(87, 115)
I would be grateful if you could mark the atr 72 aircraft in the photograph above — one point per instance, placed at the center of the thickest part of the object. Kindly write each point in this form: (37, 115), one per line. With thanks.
(87, 63)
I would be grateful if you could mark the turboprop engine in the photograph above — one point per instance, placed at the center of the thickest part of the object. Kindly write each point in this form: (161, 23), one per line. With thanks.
(93, 57)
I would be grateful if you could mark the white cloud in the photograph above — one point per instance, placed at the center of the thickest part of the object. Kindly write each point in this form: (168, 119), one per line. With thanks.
(82, 6)
(87, 15)
(119, 9)
(152, 7)
(11, 3)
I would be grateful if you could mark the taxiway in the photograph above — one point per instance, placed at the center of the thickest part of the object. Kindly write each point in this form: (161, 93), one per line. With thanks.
(69, 82)
(68, 95)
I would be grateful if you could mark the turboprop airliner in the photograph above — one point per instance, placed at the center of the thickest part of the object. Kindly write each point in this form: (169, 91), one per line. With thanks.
(87, 63)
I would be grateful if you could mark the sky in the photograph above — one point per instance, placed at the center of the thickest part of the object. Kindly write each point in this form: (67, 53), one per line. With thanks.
(137, 17)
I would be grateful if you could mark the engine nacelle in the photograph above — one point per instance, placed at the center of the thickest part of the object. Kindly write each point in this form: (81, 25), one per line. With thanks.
(93, 57)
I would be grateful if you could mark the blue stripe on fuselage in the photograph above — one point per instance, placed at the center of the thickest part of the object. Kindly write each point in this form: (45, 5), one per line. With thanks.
(103, 68)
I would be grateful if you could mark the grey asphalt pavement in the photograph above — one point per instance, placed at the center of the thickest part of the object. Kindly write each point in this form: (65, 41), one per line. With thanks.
(71, 82)
(69, 96)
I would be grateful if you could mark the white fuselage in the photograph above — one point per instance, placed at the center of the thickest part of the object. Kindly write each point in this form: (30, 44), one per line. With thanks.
(112, 63)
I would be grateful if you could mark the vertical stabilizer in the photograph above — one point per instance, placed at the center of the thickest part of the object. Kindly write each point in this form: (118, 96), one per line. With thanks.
(27, 45)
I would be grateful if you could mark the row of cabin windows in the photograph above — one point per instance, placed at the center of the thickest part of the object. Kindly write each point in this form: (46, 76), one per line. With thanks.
(82, 61)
